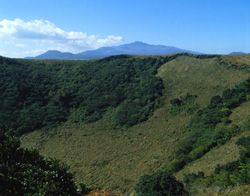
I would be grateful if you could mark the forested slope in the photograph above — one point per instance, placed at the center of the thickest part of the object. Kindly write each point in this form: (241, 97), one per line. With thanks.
(38, 94)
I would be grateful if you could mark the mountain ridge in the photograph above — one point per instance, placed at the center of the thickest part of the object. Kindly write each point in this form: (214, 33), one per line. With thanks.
(237, 53)
(134, 48)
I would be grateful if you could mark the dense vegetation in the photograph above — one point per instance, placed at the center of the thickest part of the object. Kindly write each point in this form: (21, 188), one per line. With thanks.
(211, 126)
(37, 94)
(231, 174)
(113, 157)
(184, 104)
(159, 184)
(24, 172)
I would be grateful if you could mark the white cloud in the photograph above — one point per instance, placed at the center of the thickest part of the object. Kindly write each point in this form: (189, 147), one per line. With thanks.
(20, 38)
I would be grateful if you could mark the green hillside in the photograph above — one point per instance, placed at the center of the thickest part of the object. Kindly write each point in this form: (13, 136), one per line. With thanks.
(38, 94)
(114, 158)
(110, 155)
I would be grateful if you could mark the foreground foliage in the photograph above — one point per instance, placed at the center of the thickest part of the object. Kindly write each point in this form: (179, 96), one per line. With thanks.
(24, 172)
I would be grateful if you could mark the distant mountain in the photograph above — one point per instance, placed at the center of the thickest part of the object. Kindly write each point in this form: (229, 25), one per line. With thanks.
(135, 48)
(236, 53)
(54, 54)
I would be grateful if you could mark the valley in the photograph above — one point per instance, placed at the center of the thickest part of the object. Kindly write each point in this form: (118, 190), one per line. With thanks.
(124, 98)
(112, 158)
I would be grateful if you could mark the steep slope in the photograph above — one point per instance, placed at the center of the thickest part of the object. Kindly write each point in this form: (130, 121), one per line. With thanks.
(37, 94)
(223, 156)
(114, 158)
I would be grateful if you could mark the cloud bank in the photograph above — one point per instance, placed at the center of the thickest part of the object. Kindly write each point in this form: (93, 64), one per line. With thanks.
(21, 38)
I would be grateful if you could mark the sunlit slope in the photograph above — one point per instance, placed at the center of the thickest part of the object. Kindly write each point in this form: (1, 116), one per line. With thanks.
(221, 155)
(218, 156)
(114, 158)
(239, 61)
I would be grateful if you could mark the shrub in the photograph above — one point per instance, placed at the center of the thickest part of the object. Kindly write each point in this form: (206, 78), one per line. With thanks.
(159, 184)
(190, 178)
(175, 165)
(184, 104)
(231, 174)
(198, 152)
(216, 101)
(175, 102)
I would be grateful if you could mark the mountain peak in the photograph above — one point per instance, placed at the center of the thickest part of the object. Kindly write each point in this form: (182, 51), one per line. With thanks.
(134, 48)
(138, 43)
(237, 53)
(53, 51)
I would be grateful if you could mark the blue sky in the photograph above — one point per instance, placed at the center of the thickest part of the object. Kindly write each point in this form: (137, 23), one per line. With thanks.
(30, 27)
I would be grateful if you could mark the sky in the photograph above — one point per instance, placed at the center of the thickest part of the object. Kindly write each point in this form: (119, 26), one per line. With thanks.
(31, 27)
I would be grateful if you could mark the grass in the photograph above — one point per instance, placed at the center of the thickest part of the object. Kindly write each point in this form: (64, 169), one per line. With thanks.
(221, 155)
(207, 164)
(202, 77)
(239, 60)
(217, 156)
(241, 115)
(241, 190)
(110, 158)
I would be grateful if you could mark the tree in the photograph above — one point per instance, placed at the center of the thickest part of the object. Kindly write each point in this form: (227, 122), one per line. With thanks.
(159, 184)
(25, 172)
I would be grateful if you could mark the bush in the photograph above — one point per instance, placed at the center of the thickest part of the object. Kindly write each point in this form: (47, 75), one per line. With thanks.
(159, 184)
(216, 101)
(175, 165)
(175, 102)
(184, 104)
(198, 152)
(190, 178)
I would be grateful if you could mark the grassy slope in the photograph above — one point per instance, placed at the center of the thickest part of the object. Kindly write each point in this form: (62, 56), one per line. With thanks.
(111, 158)
(240, 60)
(222, 155)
